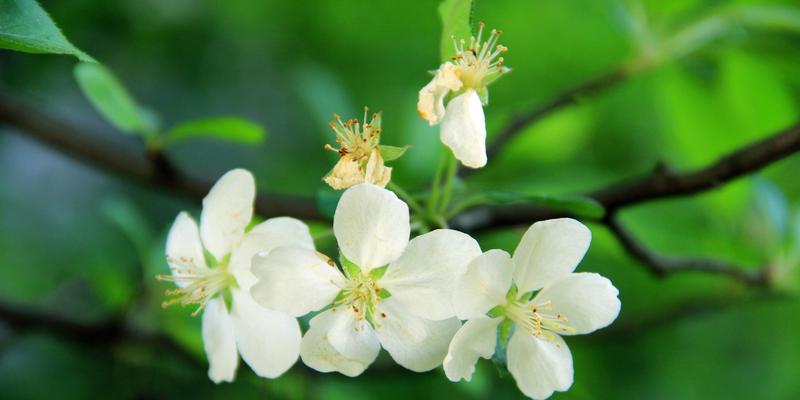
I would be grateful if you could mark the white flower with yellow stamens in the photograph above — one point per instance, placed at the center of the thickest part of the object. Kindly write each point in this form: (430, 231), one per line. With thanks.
(359, 148)
(536, 295)
(268, 341)
(392, 293)
(467, 76)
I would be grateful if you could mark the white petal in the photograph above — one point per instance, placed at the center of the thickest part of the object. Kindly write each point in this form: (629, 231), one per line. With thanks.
(430, 105)
(227, 209)
(415, 343)
(184, 250)
(318, 353)
(484, 284)
(266, 236)
(353, 338)
(539, 366)
(477, 338)
(371, 226)
(464, 129)
(294, 280)
(422, 279)
(588, 301)
(549, 250)
(377, 173)
(269, 341)
(219, 341)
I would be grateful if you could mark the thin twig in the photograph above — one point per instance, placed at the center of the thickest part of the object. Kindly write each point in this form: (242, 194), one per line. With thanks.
(662, 266)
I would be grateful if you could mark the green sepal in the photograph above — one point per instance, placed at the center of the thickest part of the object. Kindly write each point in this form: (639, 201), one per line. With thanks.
(377, 273)
(339, 297)
(391, 153)
(384, 294)
(350, 269)
(512, 292)
(227, 297)
(527, 295)
(483, 94)
(504, 331)
(496, 312)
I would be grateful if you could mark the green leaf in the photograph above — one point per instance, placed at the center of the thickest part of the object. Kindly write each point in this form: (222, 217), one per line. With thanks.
(26, 27)
(232, 129)
(111, 99)
(391, 153)
(577, 205)
(456, 17)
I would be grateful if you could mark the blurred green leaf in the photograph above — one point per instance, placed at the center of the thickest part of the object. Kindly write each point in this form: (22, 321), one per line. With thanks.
(456, 17)
(110, 98)
(327, 200)
(391, 153)
(577, 205)
(232, 129)
(26, 27)
(768, 16)
(132, 223)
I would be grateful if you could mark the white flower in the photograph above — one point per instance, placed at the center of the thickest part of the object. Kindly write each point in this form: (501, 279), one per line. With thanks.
(359, 148)
(394, 293)
(268, 341)
(537, 294)
(472, 69)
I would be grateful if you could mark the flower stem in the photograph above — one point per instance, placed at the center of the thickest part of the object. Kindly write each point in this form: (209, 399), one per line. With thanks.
(409, 199)
(451, 167)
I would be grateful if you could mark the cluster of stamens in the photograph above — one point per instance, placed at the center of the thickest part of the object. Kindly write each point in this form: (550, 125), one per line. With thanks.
(361, 294)
(197, 284)
(479, 61)
(538, 319)
(356, 141)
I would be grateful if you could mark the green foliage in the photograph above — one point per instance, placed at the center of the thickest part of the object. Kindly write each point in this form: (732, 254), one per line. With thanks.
(230, 129)
(456, 18)
(25, 26)
(110, 97)
(583, 207)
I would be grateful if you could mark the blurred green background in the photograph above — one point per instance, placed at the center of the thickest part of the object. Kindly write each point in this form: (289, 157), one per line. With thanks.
(85, 245)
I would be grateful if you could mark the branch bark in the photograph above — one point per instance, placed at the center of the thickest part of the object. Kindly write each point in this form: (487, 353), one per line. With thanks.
(132, 162)
(662, 266)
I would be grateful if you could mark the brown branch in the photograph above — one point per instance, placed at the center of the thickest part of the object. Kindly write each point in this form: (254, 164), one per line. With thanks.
(567, 98)
(662, 266)
(661, 183)
(130, 160)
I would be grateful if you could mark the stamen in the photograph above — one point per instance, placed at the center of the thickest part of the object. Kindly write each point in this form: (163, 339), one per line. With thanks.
(479, 62)
(356, 141)
(200, 284)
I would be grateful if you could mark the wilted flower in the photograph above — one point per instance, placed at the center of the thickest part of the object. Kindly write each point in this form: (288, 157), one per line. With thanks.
(268, 341)
(359, 148)
(536, 296)
(472, 69)
(393, 292)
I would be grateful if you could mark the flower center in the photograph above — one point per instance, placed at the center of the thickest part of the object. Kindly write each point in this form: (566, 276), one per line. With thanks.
(362, 294)
(537, 318)
(479, 61)
(356, 141)
(197, 284)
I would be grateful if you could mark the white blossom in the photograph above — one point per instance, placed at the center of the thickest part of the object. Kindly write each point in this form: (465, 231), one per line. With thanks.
(232, 323)
(359, 148)
(466, 77)
(392, 292)
(536, 294)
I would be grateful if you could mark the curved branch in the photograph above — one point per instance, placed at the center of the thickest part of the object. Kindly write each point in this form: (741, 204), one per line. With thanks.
(662, 266)
(130, 160)
(661, 183)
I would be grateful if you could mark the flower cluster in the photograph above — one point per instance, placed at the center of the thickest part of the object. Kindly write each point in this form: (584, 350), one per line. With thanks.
(387, 289)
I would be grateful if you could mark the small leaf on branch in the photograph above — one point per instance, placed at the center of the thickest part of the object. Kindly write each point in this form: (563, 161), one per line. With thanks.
(111, 98)
(26, 27)
(391, 153)
(456, 16)
(577, 205)
(231, 129)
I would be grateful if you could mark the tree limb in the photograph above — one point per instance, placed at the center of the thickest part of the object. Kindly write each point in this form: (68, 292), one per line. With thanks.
(661, 183)
(131, 161)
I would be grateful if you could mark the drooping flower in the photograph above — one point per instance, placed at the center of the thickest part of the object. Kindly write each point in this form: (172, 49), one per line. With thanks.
(536, 295)
(467, 77)
(392, 292)
(359, 148)
(219, 286)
